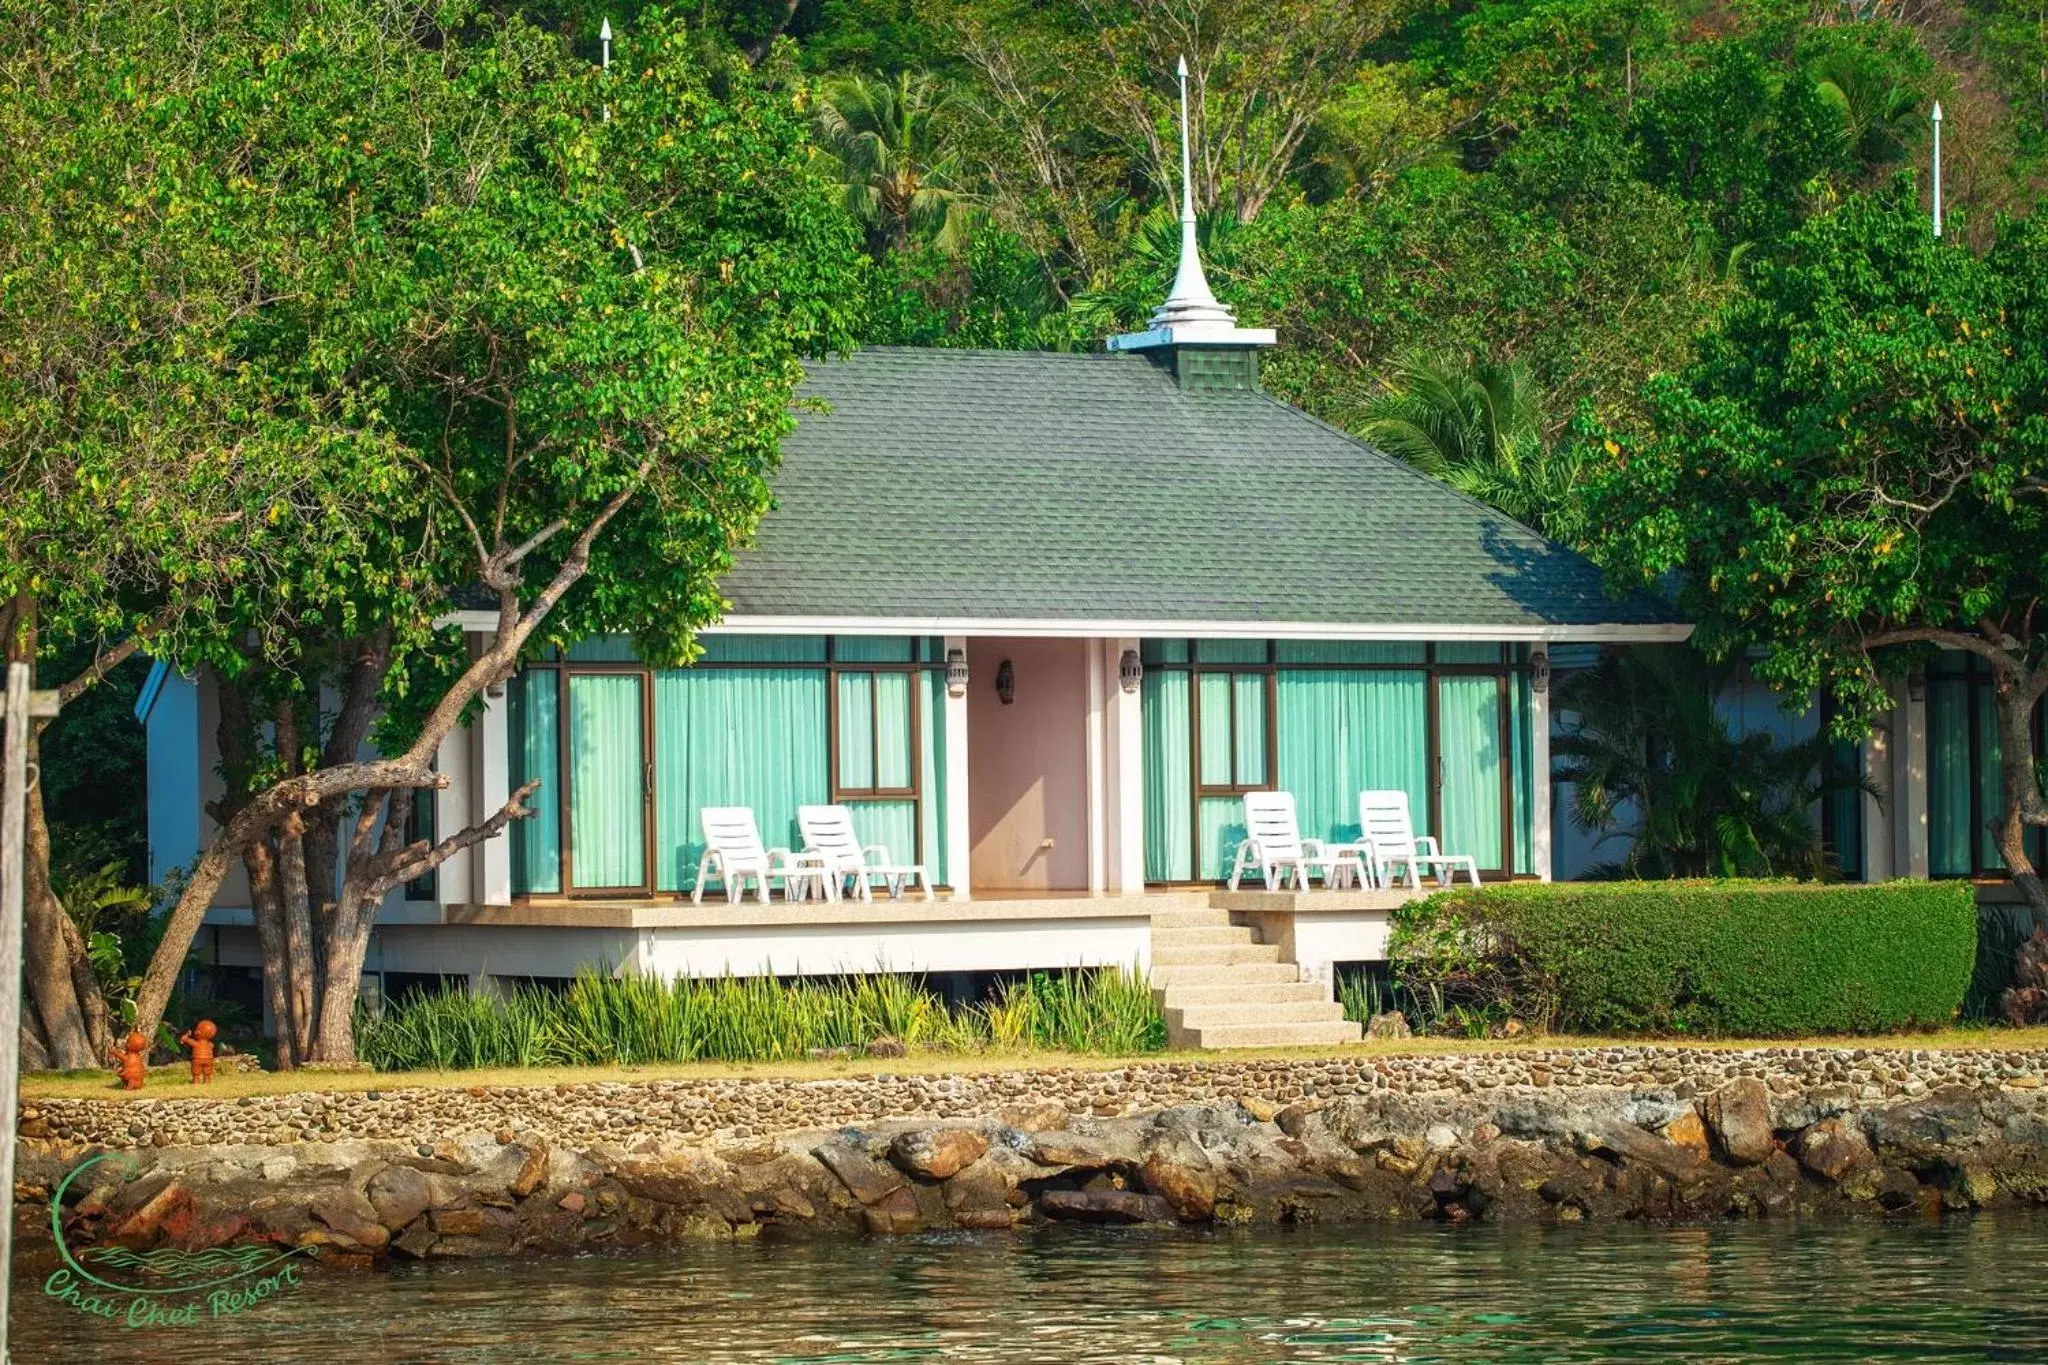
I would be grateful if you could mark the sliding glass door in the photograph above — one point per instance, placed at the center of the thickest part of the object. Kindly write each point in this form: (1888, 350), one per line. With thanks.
(1446, 723)
(627, 757)
(1471, 718)
(607, 849)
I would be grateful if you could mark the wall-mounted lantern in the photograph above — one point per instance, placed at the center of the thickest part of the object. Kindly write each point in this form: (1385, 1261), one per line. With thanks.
(1539, 671)
(1130, 670)
(956, 672)
(1006, 682)
(1916, 684)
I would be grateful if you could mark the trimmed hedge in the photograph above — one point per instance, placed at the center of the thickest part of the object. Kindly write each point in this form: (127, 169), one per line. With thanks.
(1726, 958)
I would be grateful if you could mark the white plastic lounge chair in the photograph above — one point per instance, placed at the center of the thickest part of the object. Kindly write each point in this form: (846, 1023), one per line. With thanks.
(732, 846)
(1389, 833)
(830, 840)
(1275, 847)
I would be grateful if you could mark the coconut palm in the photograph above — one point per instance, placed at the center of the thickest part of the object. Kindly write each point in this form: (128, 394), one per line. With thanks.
(1477, 425)
(1652, 759)
(886, 142)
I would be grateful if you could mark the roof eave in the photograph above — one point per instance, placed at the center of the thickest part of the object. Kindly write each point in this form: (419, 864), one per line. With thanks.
(1615, 632)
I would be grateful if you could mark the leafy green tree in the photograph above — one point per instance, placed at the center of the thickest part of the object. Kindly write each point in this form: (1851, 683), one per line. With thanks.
(1477, 425)
(1741, 137)
(575, 336)
(1652, 760)
(1856, 468)
(154, 478)
(1558, 256)
(887, 142)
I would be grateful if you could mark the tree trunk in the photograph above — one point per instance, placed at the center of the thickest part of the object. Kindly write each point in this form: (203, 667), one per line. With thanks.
(54, 964)
(261, 863)
(2016, 695)
(300, 986)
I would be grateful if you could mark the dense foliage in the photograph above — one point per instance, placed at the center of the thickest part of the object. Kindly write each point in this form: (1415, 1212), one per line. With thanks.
(1655, 763)
(1747, 959)
(1856, 468)
(633, 1020)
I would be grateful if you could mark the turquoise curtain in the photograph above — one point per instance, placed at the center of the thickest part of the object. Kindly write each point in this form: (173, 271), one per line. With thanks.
(1466, 652)
(891, 823)
(1469, 745)
(932, 777)
(1249, 693)
(1217, 769)
(608, 838)
(1222, 695)
(1222, 831)
(762, 649)
(1352, 652)
(535, 738)
(1169, 783)
(1346, 731)
(1525, 772)
(734, 737)
(857, 731)
(874, 731)
(1948, 777)
(1230, 651)
(873, 649)
(892, 730)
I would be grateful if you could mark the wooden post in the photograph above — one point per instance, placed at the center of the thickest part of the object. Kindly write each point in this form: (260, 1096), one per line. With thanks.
(20, 708)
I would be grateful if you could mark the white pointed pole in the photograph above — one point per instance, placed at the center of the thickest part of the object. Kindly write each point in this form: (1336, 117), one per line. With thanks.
(604, 40)
(1937, 168)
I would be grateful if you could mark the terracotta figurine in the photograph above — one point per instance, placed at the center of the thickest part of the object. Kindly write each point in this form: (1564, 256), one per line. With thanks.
(132, 1060)
(200, 1040)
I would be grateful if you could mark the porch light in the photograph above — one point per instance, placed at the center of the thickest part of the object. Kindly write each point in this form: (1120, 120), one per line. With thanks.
(956, 672)
(1539, 671)
(1916, 684)
(1006, 682)
(1130, 670)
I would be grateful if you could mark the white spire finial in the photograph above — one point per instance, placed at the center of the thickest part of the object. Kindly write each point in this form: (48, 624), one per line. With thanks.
(1937, 167)
(1191, 316)
(1190, 299)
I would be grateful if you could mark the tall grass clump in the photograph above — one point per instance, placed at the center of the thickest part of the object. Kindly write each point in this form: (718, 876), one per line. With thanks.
(633, 1020)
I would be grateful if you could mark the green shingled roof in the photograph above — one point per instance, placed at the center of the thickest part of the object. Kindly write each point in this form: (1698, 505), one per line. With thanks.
(968, 485)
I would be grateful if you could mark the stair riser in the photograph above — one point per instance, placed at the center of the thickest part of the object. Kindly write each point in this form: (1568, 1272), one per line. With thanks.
(1199, 936)
(1189, 919)
(1240, 993)
(1226, 1016)
(1240, 974)
(1268, 1035)
(1216, 955)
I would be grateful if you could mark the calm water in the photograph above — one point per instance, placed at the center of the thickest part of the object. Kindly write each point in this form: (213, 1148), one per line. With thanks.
(1961, 1291)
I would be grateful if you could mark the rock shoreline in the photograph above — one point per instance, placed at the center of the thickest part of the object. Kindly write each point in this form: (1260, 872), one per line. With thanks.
(1557, 1135)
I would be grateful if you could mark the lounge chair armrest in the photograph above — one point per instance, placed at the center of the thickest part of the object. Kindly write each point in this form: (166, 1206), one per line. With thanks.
(875, 854)
(1312, 848)
(1427, 845)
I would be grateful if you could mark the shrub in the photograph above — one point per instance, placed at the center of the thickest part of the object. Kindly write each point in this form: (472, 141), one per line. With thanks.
(1748, 958)
(635, 1020)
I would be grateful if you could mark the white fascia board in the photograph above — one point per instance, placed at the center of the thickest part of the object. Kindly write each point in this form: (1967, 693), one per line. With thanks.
(471, 619)
(1617, 633)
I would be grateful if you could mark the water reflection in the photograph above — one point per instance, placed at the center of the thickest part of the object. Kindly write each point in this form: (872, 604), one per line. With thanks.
(1959, 1291)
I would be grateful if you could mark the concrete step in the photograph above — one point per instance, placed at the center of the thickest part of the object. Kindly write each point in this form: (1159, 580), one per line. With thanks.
(1268, 1035)
(1197, 936)
(1198, 917)
(1215, 955)
(1210, 1016)
(1174, 975)
(1235, 991)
